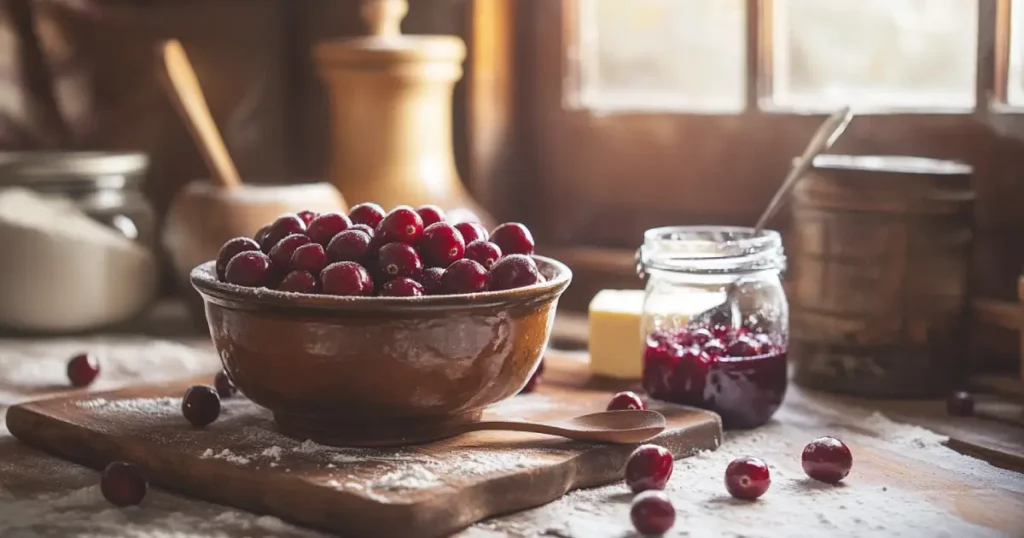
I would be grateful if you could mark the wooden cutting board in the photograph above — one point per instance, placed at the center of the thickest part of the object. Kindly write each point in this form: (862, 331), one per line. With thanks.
(422, 491)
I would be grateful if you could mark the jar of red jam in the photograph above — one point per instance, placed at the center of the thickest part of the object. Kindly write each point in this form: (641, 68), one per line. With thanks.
(700, 349)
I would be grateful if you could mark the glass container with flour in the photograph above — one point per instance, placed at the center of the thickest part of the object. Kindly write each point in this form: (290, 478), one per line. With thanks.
(77, 235)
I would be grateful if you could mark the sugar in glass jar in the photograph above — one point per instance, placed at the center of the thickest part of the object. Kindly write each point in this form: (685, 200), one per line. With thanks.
(733, 363)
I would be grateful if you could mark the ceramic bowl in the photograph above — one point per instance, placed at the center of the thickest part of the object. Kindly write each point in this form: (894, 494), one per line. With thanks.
(375, 371)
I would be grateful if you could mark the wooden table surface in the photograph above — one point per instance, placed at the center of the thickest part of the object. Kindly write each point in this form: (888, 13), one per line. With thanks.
(905, 480)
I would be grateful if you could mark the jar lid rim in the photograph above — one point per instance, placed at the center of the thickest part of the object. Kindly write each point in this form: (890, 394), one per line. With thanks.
(65, 165)
(711, 249)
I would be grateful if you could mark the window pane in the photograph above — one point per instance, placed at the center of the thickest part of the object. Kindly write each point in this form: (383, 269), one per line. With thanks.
(875, 53)
(1015, 80)
(662, 54)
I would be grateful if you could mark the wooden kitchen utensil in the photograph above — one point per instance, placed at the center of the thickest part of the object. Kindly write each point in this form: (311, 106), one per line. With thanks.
(621, 427)
(429, 490)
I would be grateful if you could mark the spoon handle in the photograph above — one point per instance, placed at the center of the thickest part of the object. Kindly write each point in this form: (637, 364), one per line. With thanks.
(629, 436)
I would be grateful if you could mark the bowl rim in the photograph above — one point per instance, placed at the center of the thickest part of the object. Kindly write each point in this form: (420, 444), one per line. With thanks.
(204, 279)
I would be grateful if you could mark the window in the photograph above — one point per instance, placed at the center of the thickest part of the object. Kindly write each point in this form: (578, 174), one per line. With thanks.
(1015, 71)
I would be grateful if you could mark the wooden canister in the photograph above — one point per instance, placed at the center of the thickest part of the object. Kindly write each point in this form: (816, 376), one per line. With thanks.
(880, 253)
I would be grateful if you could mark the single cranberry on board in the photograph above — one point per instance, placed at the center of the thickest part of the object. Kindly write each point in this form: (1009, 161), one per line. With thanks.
(441, 245)
(463, 276)
(513, 271)
(348, 246)
(298, 282)
(625, 400)
(367, 213)
(472, 231)
(249, 269)
(309, 257)
(123, 484)
(513, 238)
(307, 216)
(225, 386)
(648, 467)
(431, 280)
(960, 404)
(200, 405)
(347, 279)
(282, 252)
(827, 459)
(284, 226)
(402, 224)
(483, 252)
(747, 478)
(230, 248)
(401, 287)
(326, 226)
(652, 513)
(399, 259)
(431, 214)
(82, 369)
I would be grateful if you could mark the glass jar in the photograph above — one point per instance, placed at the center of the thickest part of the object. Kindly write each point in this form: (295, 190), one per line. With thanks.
(700, 349)
(107, 186)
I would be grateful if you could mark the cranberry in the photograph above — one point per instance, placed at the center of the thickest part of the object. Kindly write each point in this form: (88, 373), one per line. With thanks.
(282, 252)
(513, 238)
(827, 459)
(625, 400)
(225, 386)
(401, 287)
(483, 252)
(652, 513)
(648, 467)
(431, 280)
(722, 332)
(464, 276)
(472, 231)
(309, 257)
(402, 224)
(200, 405)
(960, 403)
(284, 226)
(363, 228)
(307, 216)
(715, 348)
(82, 369)
(431, 214)
(122, 484)
(699, 337)
(531, 384)
(260, 237)
(744, 346)
(348, 246)
(346, 278)
(513, 271)
(298, 282)
(399, 259)
(441, 245)
(250, 269)
(232, 247)
(747, 478)
(367, 213)
(326, 226)
(765, 342)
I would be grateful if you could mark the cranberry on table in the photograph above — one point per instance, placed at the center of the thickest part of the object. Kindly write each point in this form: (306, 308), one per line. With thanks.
(960, 404)
(229, 249)
(309, 257)
(513, 238)
(298, 282)
(513, 271)
(326, 226)
(250, 269)
(483, 252)
(369, 214)
(282, 252)
(307, 216)
(402, 224)
(648, 467)
(346, 278)
(348, 246)
(225, 386)
(431, 214)
(431, 280)
(123, 484)
(827, 459)
(464, 276)
(652, 513)
(747, 478)
(200, 405)
(472, 231)
(399, 259)
(284, 226)
(82, 369)
(401, 287)
(625, 400)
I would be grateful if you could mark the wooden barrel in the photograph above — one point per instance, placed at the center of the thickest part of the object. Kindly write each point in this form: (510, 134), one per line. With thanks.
(879, 257)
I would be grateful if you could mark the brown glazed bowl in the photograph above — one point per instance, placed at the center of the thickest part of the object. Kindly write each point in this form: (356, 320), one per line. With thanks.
(375, 371)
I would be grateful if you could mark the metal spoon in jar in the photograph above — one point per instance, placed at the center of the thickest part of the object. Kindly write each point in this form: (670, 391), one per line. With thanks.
(823, 139)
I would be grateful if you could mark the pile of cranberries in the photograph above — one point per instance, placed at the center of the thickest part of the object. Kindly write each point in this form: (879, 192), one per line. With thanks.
(403, 253)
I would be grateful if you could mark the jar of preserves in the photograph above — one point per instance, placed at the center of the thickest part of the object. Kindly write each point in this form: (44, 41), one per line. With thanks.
(733, 361)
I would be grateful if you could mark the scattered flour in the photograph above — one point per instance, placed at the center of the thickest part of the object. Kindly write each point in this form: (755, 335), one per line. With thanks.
(412, 478)
(273, 452)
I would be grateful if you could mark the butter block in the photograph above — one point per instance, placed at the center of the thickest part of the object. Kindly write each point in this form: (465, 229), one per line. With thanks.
(614, 339)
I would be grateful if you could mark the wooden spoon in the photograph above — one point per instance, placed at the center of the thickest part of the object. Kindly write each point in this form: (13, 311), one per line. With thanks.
(622, 427)
(187, 96)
